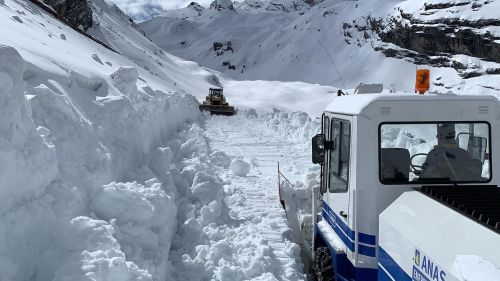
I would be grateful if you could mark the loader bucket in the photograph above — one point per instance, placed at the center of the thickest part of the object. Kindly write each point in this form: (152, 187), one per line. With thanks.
(218, 109)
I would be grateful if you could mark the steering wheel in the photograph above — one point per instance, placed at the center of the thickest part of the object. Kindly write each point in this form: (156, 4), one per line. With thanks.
(416, 169)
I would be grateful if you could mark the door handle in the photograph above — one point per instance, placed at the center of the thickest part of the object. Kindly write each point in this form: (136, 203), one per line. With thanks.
(343, 214)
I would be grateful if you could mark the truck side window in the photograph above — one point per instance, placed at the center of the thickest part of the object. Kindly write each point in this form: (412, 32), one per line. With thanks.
(339, 156)
(326, 131)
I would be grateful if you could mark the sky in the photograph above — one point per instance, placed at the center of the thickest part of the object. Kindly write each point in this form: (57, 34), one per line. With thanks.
(141, 10)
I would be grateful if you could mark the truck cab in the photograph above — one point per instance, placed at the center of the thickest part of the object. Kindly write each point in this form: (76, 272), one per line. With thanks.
(380, 154)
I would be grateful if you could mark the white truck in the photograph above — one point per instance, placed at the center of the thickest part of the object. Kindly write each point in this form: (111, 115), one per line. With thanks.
(409, 184)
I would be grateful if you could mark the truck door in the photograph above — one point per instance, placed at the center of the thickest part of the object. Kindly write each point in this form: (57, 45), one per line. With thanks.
(338, 199)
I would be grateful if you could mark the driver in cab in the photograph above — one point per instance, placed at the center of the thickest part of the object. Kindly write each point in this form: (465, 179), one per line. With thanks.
(449, 162)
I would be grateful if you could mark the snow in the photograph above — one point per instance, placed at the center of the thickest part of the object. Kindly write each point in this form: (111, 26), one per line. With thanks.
(475, 268)
(240, 167)
(108, 171)
(254, 242)
(290, 96)
(287, 46)
(27, 159)
(89, 143)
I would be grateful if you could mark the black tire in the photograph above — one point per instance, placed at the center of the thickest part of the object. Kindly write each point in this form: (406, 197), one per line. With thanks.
(322, 265)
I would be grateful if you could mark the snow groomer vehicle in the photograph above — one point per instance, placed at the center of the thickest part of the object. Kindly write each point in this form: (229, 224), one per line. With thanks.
(409, 187)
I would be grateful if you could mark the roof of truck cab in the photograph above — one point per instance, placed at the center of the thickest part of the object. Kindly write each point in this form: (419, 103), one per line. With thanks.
(358, 104)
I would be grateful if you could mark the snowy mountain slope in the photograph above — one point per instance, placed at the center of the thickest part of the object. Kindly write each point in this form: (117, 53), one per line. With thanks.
(250, 44)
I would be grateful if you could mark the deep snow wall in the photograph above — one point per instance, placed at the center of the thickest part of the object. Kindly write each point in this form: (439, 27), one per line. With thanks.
(90, 142)
(60, 149)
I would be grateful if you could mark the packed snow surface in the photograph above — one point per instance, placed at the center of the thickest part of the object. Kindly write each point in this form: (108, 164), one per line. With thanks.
(255, 242)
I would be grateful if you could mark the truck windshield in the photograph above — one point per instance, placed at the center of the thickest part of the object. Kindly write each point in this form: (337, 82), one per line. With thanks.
(441, 152)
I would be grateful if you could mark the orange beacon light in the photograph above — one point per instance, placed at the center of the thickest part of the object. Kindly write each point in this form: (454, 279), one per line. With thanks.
(422, 83)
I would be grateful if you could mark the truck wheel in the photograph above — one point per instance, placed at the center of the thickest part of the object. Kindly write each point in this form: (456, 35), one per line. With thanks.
(322, 265)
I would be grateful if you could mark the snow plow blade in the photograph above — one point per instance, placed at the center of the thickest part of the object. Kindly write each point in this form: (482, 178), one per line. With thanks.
(218, 109)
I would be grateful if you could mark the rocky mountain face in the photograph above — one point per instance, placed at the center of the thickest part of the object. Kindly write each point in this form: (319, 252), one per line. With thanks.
(76, 12)
(277, 5)
(435, 34)
(221, 5)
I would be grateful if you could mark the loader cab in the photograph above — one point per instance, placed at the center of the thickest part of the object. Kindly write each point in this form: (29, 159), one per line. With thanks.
(215, 93)
(372, 148)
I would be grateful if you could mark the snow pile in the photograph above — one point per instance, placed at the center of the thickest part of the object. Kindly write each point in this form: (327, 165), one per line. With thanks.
(144, 218)
(298, 126)
(476, 268)
(94, 254)
(298, 205)
(240, 168)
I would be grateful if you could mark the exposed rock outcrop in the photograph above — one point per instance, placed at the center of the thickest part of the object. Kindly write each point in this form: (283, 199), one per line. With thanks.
(446, 36)
(221, 5)
(196, 6)
(76, 12)
(424, 38)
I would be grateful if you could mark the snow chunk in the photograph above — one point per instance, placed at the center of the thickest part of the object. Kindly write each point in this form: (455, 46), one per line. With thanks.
(240, 167)
(220, 158)
(161, 160)
(206, 188)
(145, 218)
(125, 79)
(251, 113)
(475, 268)
(94, 254)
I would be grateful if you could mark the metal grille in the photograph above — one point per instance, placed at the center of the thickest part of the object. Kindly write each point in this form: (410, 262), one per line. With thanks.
(480, 203)
(483, 109)
(385, 110)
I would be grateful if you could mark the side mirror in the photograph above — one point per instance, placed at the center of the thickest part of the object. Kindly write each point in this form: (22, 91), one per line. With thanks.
(318, 149)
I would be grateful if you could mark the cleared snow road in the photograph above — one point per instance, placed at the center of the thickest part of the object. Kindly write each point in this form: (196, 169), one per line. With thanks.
(253, 200)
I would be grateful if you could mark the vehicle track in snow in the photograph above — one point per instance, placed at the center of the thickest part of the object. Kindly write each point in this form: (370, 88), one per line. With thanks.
(254, 200)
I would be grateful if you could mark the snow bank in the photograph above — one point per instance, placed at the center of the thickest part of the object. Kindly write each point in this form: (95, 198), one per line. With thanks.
(27, 159)
(62, 141)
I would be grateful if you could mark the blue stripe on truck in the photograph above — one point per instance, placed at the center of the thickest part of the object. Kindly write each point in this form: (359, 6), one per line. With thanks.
(394, 270)
(347, 235)
(367, 238)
